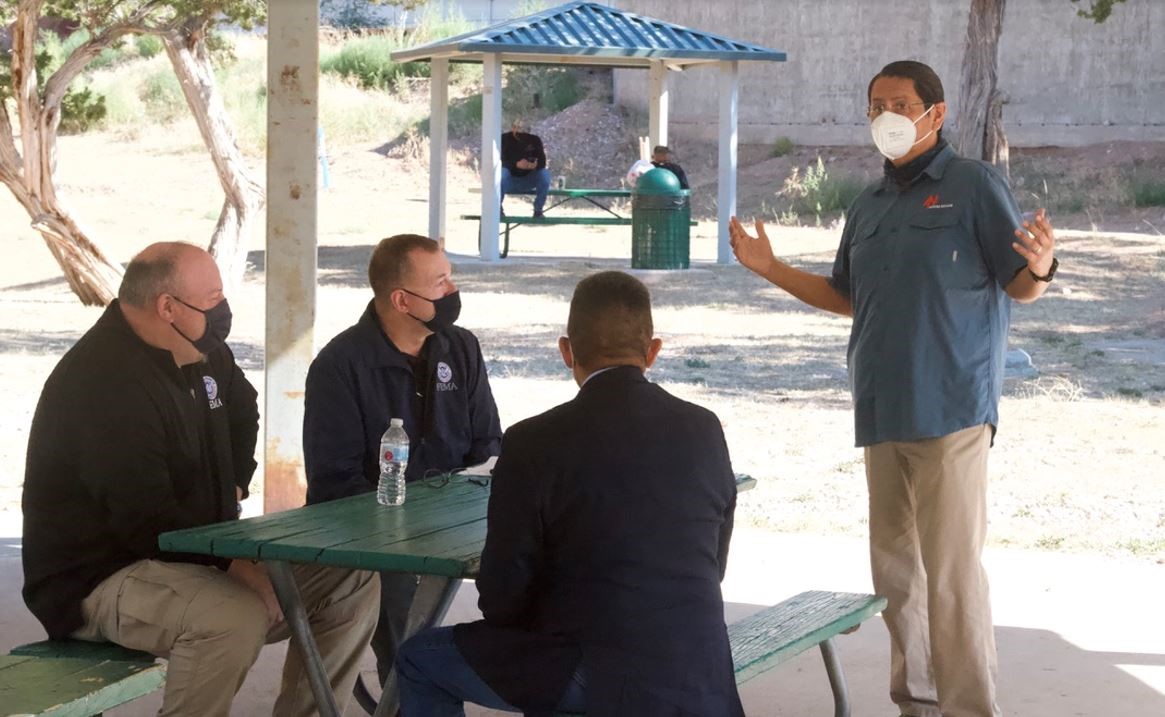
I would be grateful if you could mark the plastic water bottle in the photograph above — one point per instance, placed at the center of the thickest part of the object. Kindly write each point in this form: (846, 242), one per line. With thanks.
(394, 458)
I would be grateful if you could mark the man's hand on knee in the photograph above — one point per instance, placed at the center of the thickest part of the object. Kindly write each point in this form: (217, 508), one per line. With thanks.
(254, 576)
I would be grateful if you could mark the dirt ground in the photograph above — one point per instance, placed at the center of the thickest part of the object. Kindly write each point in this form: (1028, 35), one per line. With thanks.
(1079, 459)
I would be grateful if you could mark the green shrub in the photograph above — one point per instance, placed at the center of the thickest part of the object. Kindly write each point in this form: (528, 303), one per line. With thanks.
(366, 61)
(81, 110)
(148, 46)
(1148, 193)
(81, 107)
(162, 96)
(782, 146)
(817, 192)
(540, 89)
(60, 49)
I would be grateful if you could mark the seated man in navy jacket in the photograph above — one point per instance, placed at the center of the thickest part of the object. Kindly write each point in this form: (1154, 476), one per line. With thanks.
(404, 359)
(607, 539)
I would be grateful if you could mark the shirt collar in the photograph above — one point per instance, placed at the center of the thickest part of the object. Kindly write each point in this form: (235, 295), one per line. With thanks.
(382, 351)
(931, 163)
(114, 320)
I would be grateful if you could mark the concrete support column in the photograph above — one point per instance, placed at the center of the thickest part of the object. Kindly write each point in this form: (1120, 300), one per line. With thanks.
(657, 103)
(438, 145)
(491, 155)
(726, 183)
(292, 131)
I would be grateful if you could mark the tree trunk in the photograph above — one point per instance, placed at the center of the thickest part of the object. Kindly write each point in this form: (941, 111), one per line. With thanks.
(995, 150)
(244, 196)
(87, 269)
(980, 64)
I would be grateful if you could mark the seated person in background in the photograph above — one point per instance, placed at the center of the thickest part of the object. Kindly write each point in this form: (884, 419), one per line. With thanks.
(148, 425)
(524, 165)
(661, 157)
(608, 530)
(403, 359)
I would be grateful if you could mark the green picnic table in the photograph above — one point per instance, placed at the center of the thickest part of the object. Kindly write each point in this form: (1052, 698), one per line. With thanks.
(437, 534)
(559, 197)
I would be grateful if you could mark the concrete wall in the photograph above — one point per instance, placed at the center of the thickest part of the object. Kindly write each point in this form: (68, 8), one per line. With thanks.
(1070, 80)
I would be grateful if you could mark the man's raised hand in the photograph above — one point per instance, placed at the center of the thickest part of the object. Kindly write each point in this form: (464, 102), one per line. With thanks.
(755, 253)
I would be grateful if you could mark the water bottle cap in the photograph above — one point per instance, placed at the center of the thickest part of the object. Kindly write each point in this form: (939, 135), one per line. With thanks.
(398, 422)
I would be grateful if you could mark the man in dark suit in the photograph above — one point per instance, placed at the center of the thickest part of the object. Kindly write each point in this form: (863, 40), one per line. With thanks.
(608, 530)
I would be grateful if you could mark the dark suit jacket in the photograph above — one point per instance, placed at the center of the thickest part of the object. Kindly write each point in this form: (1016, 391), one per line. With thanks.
(608, 529)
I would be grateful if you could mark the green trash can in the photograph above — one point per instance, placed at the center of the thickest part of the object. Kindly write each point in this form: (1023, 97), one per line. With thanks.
(660, 219)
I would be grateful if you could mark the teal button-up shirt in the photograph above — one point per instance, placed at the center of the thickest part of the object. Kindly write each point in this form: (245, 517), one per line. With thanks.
(924, 267)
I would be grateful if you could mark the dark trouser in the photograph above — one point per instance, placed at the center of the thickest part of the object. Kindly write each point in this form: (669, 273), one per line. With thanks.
(436, 680)
(396, 595)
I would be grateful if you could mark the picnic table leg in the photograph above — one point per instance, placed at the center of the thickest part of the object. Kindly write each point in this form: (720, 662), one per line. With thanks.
(295, 614)
(431, 602)
(836, 679)
(506, 247)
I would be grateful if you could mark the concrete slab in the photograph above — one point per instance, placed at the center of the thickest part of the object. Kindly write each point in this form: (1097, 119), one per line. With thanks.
(1078, 635)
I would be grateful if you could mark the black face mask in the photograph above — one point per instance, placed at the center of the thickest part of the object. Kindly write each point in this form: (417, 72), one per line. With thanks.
(218, 326)
(446, 310)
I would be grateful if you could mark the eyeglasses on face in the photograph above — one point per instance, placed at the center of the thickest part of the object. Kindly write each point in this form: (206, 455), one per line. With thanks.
(899, 108)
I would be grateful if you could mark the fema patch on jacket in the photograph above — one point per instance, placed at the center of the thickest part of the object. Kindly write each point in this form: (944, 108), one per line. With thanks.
(212, 391)
(445, 377)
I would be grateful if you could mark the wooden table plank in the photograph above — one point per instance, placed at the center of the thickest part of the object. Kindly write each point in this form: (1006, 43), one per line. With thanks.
(440, 529)
(72, 687)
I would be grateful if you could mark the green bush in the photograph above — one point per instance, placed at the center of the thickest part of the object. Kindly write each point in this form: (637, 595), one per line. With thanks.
(162, 95)
(540, 89)
(366, 61)
(817, 192)
(81, 108)
(148, 46)
(1148, 193)
(60, 49)
(782, 146)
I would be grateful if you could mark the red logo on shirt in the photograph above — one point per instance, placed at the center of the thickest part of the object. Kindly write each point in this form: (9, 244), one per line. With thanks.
(930, 201)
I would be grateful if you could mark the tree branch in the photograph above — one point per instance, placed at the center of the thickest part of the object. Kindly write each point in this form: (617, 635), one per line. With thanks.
(58, 84)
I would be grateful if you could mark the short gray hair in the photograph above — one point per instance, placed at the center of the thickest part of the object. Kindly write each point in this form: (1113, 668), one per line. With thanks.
(147, 279)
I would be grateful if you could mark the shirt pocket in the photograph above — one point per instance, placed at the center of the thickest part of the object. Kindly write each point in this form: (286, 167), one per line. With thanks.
(941, 240)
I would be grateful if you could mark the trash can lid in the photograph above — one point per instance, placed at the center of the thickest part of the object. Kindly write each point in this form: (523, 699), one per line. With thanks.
(658, 181)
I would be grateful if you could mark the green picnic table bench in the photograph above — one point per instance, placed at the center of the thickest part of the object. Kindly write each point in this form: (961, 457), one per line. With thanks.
(590, 196)
(74, 678)
(771, 636)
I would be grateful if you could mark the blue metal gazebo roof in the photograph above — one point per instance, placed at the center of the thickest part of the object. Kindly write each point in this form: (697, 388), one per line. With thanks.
(590, 34)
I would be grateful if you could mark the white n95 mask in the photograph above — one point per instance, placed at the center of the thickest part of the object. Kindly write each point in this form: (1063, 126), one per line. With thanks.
(894, 133)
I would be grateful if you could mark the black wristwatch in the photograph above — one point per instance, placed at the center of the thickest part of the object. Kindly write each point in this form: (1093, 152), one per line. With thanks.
(1051, 272)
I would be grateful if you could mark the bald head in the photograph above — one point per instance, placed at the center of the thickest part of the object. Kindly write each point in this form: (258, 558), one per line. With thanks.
(163, 268)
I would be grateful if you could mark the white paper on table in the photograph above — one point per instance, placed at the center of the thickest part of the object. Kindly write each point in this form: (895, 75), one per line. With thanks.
(481, 469)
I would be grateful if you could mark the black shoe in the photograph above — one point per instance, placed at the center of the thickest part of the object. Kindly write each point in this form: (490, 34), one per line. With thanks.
(539, 215)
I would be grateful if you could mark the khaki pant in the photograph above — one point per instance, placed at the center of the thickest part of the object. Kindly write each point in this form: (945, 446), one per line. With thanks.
(211, 628)
(928, 522)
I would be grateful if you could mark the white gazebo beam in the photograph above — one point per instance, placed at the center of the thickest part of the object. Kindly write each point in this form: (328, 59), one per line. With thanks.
(438, 145)
(292, 126)
(491, 159)
(657, 102)
(726, 183)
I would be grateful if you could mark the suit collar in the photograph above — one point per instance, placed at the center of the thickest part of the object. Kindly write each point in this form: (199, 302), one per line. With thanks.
(612, 376)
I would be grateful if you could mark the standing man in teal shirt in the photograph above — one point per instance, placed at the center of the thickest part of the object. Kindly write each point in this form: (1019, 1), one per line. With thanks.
(930, 259)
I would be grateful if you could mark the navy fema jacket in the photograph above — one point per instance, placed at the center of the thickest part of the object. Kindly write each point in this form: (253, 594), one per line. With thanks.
(360, 381)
